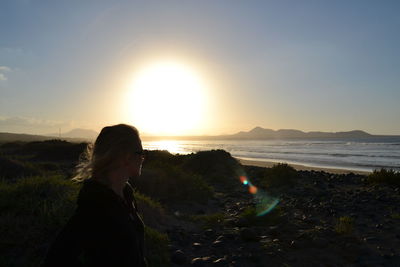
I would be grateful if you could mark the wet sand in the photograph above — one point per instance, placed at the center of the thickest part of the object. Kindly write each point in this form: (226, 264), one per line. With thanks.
(268, 164)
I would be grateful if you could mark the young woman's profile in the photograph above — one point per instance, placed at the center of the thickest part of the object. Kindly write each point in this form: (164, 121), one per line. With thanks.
(106, 229)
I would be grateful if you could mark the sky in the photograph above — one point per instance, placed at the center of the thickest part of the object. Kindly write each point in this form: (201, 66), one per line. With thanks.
(307, 65)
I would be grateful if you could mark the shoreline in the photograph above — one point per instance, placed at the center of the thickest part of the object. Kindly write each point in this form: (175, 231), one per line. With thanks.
(299, 167)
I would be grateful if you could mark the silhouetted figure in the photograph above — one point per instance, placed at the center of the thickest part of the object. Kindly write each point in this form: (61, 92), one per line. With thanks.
(106, 229)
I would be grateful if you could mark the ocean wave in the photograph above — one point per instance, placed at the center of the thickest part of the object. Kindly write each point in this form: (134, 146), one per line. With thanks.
(346, 154)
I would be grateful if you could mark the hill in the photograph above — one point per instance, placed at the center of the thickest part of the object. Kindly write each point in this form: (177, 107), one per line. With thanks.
(78, 133)
(261, 133)
(13, 137)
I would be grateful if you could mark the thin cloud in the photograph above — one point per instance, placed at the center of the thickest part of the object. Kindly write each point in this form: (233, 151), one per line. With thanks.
(25, 121)
(3, 69)
(31, 125)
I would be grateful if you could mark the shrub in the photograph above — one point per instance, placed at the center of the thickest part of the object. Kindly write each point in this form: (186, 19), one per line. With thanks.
(33, 210)
(215, 166)
(157, 253)
(154, 156)
(395, 216)
(208, 220)
(11, 169)
(151, 211)
(344, 225)
(384, 176)
(53, 150)
(249, 217)
(280, 175)
(169, 183)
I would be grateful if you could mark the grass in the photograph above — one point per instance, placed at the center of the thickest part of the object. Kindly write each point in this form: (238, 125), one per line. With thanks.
(345, 225)
(170, 183)
(249, 217)
(216, 167)
(208, 220)
(33, 211)
(36, 199)
(151, 211)
(280, 175)
(395, 216)
(157, 252)
(384, 176)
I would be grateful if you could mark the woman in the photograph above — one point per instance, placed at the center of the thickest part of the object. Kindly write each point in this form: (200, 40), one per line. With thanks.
(106, 229)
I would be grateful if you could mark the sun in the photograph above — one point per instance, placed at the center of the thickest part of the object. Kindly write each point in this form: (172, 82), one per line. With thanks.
(166, 98)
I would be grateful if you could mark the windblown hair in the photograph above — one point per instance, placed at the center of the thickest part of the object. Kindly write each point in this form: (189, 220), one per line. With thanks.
(112, 143)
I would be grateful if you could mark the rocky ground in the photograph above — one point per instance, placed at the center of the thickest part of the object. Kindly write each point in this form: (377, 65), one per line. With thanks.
(305, 228)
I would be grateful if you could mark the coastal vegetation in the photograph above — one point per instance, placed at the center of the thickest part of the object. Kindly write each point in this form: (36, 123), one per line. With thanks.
(194, 204)
(384, 176)
(345, 225)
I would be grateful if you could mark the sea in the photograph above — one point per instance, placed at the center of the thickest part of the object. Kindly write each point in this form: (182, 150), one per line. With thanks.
(365, 154)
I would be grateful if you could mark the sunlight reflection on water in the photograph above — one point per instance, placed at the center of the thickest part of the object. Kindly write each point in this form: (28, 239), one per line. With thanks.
(173, 146)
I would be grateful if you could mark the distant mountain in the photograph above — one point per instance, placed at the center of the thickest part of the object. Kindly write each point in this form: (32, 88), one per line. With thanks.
(257, 133)
(261, 133)
(13, 137)
(78, 133)
(75, 135)
(81, 133)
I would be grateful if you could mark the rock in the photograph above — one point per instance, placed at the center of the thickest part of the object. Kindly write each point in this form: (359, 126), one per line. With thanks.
(196, 245)
(201, 211)
(221, 262)
(320, 242)
(198, 262)
(201, 261)
(242, 222)
(369, 238)
(209, 232)
(273, 230)
(248, 234)
(230, 222)
(178, 257)
(217, 244)
(229, 235)
(220, 238)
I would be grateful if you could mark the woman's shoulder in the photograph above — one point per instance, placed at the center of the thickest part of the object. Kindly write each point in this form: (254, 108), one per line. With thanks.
(94, 194)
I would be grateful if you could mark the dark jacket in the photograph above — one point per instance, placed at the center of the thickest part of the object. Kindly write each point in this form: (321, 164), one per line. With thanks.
(105, 230)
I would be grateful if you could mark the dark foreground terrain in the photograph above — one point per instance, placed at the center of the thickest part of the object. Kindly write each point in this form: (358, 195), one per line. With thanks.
(199, 213)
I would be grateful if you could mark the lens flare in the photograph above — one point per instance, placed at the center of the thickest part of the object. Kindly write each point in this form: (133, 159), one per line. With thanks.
(264, 202)
(253, 190)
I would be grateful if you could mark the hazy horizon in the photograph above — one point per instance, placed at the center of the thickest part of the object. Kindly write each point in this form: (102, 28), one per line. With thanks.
(200, 68)
(76, 132)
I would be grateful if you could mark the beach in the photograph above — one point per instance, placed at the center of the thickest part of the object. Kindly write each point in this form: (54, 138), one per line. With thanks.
(298, 167)
(336, 156)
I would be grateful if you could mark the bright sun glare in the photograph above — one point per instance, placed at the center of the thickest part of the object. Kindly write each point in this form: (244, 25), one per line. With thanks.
(166, 98)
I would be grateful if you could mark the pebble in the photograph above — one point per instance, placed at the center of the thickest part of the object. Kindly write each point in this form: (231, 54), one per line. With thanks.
(217, 244)
(179, 257)
(369, 238)
(220, 262)
(248, 234)
(196, 245)
(209, 232)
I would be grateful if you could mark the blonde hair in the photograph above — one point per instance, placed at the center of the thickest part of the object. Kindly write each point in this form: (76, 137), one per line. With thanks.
(112, 143)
